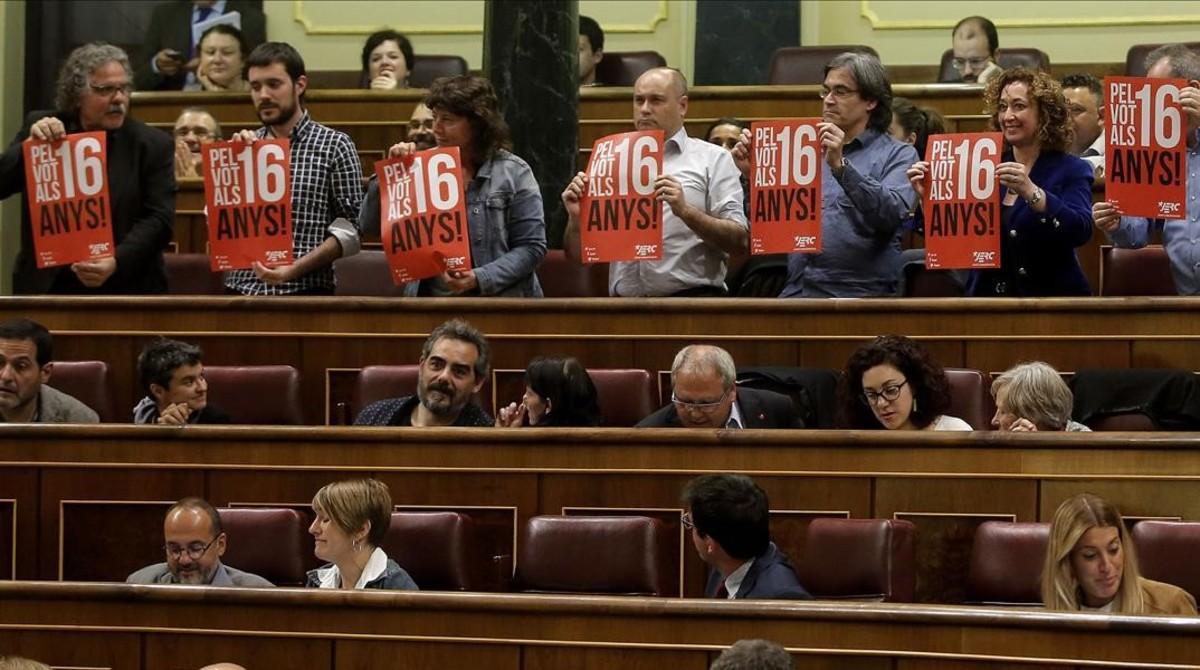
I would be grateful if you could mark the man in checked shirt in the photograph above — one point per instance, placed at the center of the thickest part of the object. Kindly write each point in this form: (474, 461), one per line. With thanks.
(326, 179)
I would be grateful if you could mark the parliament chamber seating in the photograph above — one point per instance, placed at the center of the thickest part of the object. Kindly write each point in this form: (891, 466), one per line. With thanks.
(1006, 57)
(1006, 563)
(622, 68)
(627, 555)
(380, 382)
(428, 67)
(91, 383)
(1167, 550)
(365, 273)
(969, 397)
(806, 65)
(1138, 399)
(859, 559)
(257, 394)
(561, 277)
(440, 550)
(1135, 272)
(625, 396)
(270, 542)
(1135, 58)
(192, 274)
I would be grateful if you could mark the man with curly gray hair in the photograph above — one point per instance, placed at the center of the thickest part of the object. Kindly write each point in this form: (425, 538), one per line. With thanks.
(93, 94)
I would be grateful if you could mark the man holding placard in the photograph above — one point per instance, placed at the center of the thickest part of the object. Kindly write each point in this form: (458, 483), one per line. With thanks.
(127, 160)
(865, 195)
(325, 174)
(1181, 230)
(702, 217)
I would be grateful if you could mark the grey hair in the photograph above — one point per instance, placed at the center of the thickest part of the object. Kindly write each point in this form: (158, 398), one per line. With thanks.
(1185, 63)
(202, 110)
(754, 655)
(873, 84)
(705, 358)
(73, 77)
(1036, 392)
(457, 329)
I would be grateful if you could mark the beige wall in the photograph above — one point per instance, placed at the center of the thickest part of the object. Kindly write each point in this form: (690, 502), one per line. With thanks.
(12, 67)
(1070, 31)
(330, 34)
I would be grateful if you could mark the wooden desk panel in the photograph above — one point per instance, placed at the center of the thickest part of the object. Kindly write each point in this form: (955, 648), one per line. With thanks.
(310, 629)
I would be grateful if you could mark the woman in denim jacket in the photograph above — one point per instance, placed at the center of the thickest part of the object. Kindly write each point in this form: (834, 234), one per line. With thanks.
(504, 205)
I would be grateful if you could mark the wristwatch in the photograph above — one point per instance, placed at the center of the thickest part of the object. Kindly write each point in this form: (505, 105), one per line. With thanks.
(1034, 199)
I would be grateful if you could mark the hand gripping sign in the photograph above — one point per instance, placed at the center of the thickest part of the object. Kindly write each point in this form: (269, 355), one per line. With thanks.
(785, 187)
(66, 183)
(1144, 158)
(962, 201)
(422, 216)
(620, 220)
(248, 194)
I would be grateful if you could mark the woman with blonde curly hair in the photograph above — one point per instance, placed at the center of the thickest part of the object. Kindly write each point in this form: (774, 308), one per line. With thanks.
(1091, 565)
(1045, 193)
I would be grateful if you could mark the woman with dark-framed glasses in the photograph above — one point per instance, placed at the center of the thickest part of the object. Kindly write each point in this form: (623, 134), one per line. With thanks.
(892, 383)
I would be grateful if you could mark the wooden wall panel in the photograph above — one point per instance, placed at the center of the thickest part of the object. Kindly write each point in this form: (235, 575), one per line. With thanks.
(74, 649)
(370, 655)
(19, 491)
(186, 652)
(105, 542)
(586, 658)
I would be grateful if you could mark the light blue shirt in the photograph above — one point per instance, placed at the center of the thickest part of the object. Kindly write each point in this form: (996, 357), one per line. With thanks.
(1181, 237)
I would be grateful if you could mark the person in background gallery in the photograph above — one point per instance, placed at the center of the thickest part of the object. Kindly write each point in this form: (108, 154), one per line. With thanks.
(558, 392)
(591, 50)
(1032, 397)
(1134, 232)
(26, 366)
(420, 130)
(168, 60)
(172, 374)
(194, 128)
(974, 42)
(1045, 193)
(1085, 101)
(893, 383)
(725, 132)
(223, 53)
(387, 61)
(913, 125)
(352, 518)
(1091, 565)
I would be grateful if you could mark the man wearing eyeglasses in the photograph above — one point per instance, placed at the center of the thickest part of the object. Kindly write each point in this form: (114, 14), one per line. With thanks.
(194, 128)
(93, 94)
(729, 518)
(974, 41)
(705, 395)
(195, 542)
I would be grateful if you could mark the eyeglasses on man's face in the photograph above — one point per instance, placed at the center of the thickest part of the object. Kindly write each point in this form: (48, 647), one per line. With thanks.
(700, 406)
(110, 90)
(887, 393)
(194, 550)
(961, 64)
(839, 92)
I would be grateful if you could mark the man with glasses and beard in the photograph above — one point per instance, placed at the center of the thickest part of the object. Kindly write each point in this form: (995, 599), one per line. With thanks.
(705, 395)
(194, 545)
(326, 179)
(93, 95)
(454, 365)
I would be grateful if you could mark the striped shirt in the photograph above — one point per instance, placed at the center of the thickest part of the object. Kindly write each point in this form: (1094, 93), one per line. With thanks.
(327, 184)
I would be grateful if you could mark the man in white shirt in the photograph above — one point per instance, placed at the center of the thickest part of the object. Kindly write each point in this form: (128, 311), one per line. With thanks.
(1085, 103)
(700, 189)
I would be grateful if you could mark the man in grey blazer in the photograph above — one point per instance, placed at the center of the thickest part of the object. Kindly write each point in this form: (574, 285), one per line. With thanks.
(195, 542)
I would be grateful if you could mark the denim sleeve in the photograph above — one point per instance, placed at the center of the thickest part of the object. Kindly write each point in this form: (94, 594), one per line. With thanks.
(883, 203)
(525, 228)
(1132, 233)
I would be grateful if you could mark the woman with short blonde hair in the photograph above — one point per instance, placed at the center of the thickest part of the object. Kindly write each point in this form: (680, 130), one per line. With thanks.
(1033, 397)
(1091, 565)
(352, 518)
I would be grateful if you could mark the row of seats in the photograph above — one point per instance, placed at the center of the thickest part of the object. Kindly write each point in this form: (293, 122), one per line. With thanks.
(1123, 272)
(1006, 558)
(860, 559)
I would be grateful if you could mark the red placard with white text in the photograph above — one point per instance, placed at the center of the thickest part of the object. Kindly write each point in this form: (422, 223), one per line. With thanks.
(248, 194)
(1145, 134)
(785, 187)
(962, 201)
(66, 184)
(620, 220)
(422, 214)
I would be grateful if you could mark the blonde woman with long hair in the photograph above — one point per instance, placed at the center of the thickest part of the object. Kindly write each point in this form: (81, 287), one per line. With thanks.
(1091, 565)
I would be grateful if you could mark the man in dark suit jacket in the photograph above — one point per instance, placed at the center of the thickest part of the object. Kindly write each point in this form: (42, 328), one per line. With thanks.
(163, 61)
(94, 96)
(705, 395)
(729, 517)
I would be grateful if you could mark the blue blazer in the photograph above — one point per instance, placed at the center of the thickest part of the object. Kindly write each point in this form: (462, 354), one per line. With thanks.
(1037, 251)
(770, 576)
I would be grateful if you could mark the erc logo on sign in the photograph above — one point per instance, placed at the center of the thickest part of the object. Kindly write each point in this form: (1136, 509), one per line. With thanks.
(804, 241)
(276, 256)
(1169, 209)
(97, 249)
(983, 257)
(645, 250)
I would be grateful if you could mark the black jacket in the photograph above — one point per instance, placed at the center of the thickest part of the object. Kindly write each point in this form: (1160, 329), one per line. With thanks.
(760, 409)
(141, 188)
(771, 576)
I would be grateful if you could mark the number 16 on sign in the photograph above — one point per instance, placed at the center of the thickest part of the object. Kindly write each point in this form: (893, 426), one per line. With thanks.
(785, 187)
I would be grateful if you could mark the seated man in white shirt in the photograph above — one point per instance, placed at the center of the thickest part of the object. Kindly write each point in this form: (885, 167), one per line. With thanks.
(1085, 102)
(700, 189)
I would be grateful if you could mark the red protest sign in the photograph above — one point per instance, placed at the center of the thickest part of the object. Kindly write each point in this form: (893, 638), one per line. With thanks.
(962, 201)
(785, 187)
(66, 184)
(248, 193)
(422, 214)
(619, 218)
(1145, 135)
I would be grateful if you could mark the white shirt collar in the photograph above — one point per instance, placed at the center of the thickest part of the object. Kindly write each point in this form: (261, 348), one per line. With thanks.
(734, 581)
(680, 139)
(331, 577)
(735, 415)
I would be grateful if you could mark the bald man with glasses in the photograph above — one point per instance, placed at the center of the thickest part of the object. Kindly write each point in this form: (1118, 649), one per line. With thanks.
(195, 542)
(705, 394)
